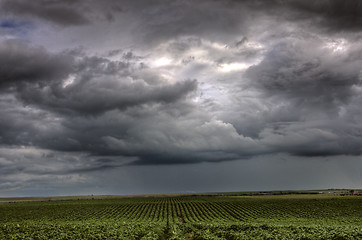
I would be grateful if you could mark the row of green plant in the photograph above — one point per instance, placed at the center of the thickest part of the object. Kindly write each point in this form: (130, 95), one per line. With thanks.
(200, 231)
(185, 218)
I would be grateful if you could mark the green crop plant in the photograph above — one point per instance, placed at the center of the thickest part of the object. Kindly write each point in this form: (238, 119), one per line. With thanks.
(185, 218)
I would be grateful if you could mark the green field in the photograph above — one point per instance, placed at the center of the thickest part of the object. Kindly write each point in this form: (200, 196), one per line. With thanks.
(186, 217)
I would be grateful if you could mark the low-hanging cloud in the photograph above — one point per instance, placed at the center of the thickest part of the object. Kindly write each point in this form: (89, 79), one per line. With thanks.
(24, 64)
(62, 13)
(88, 86)
(319, 79)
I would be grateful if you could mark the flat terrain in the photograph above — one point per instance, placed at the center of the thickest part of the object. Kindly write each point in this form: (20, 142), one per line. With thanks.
(301, 216)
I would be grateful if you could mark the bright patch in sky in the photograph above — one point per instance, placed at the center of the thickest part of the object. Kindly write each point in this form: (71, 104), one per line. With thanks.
(68, 81)
(163, 61)
(232, 67)
(337, 45)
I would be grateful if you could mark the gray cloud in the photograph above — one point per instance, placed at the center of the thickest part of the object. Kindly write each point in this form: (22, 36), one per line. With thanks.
(180, 18)
(98, 85)
(162, 142)
(129, 85)
(314, 138)
(63, 13)
(337, 15)
(332, 16)
(314, 80)
(53, 11)
(22, 64)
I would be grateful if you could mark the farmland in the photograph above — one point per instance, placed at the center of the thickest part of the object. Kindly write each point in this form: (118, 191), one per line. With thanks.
(185, 217)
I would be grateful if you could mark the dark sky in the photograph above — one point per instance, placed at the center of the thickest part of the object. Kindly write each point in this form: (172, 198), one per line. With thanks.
(159, 96)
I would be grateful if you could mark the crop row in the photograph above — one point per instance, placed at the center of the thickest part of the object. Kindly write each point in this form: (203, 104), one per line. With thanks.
(200, 231)
(184, 218)
(187, 210)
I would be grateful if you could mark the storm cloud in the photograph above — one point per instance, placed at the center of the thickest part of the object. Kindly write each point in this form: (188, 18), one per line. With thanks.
(87, 88)
(63, 13)
(22, 64)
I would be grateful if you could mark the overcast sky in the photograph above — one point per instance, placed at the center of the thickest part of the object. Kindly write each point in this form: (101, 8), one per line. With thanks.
(159, 96)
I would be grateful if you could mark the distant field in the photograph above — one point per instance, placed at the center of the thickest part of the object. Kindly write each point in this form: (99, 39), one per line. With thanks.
(289, 193)
(302, 216)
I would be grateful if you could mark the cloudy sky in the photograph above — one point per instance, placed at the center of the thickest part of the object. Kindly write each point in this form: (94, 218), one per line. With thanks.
(160, 96)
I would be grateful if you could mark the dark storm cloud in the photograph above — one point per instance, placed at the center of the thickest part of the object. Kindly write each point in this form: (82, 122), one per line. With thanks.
(39, 77)
(309, 84)
(311, 79)
(98, 85)
(314, 138)
(115, 83)
(34, 161)
(335, 15)
(23, 64)
(63, 13)
(178, 18)
(26, 126)
(157, 140)
(326, 15)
